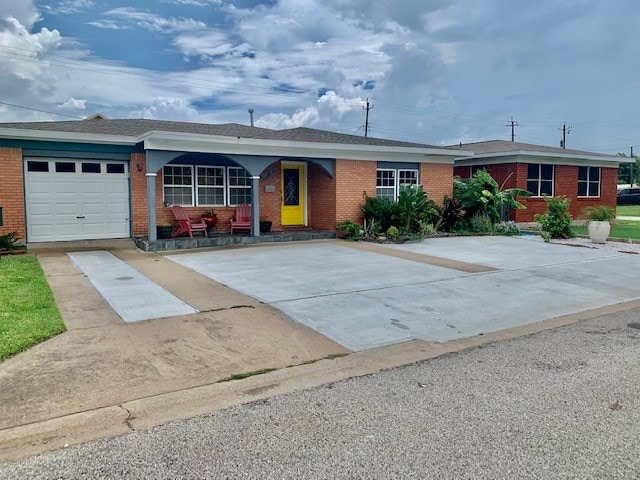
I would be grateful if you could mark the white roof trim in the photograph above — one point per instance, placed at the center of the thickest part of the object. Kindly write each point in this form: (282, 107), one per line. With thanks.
(190, 142)
(58, 136)
(555, 157)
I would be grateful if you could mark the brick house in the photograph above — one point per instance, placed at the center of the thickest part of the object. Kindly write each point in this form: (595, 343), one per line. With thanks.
(100, 179)
(586, 178)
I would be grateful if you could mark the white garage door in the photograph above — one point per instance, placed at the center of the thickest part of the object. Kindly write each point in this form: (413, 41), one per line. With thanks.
(76, 199)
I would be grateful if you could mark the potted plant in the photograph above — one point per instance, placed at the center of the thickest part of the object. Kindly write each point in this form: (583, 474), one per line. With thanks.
(265, 226)
(210, 218)
(600, 219)
(164, 229)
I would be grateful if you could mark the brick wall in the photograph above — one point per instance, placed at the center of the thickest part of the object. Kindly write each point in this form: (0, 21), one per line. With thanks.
(322, 199)
(354, 180)
(12, 192)
(437, 180)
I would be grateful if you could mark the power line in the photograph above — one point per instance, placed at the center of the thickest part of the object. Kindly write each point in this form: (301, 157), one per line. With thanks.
(39, 110)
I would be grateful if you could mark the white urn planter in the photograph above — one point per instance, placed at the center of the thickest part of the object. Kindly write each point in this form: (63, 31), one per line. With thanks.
(599, 231)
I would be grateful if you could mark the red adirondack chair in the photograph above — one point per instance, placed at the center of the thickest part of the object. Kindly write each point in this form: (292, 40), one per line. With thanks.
(242, 218)
(186, 224)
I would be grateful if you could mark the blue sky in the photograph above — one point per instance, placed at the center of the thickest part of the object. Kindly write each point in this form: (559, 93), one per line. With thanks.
(437, 71)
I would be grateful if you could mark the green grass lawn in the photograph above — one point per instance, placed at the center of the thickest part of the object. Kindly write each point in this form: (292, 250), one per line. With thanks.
(28, 312)
(622, 229)
(631, 210)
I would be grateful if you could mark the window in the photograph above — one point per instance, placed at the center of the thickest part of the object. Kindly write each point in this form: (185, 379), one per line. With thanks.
(65, 167)
(210, 185)
(178, 184)
(540, 179)
(386, 184)
(476, 168)
(588, 181)
(115, 167)
(213, 185)
(239, 186)
(88, 167)
(33, 166)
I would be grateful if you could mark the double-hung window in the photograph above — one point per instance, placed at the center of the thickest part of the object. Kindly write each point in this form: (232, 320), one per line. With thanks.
(540, 179)
(178, 184)
(389, 180)
(210, 185)
(589, 181)
(239, 186)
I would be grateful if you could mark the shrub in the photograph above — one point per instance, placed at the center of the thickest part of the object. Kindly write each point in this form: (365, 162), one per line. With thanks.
(8, 241)
(481, 223)
(414, 207)
(382, 210)
(452, 214)
(556, 223)
(393, 232)
(352, 229)
(482, 194)
(506, 228)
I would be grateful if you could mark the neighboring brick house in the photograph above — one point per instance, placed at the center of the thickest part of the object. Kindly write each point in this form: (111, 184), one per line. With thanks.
(100, 178)
(586, 178)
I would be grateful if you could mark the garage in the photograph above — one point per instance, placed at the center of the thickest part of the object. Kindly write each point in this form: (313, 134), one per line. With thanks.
(76, 199)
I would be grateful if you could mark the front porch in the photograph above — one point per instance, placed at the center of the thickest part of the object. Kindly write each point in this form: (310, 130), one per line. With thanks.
(227, 240)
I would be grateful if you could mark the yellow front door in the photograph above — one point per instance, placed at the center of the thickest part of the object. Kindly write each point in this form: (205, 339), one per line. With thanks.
(293, 194)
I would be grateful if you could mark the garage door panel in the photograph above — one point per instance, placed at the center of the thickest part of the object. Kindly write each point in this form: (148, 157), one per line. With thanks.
(76, 206)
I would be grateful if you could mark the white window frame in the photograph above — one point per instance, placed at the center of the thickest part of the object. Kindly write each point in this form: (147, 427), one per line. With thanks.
(229, 186)
(589, 182)
(213, 187)
(164, 185)
(539, 179)
(396, 181)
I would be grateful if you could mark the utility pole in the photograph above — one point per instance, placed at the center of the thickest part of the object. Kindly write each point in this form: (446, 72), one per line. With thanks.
(366, 121)
(512, 124)
(565, 131)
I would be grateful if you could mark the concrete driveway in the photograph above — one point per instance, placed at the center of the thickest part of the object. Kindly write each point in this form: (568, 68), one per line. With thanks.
(366, 296)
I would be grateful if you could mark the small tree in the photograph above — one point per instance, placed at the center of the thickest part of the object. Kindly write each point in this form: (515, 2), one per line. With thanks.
(414, 207)
(556, 223)
(482, 195)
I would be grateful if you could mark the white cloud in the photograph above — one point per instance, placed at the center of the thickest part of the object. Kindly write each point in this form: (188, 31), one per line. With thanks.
(167, 108)
(329, 113)
(24, 11)
(194, 3)
(69, 6)
(74, 104)
(149, 21)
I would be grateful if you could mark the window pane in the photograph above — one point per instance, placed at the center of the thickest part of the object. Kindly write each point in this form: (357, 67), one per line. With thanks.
(533, 171)
(547, 172)
(593, 189)
(408, 177)
(594, 174)
(210, 196)
(546, 188)
(65, 167)
(582, 173)
(389, 193)
(582, 189)
(385, 178)
(533, 188)
(38, 166)
(115, 167)
(238, 196)
(90, 167)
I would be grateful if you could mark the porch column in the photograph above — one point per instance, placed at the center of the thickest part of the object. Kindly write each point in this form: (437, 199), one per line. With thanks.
(255, 206)
(151, 206)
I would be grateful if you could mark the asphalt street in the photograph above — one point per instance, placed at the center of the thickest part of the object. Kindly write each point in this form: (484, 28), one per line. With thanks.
(563, 403)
